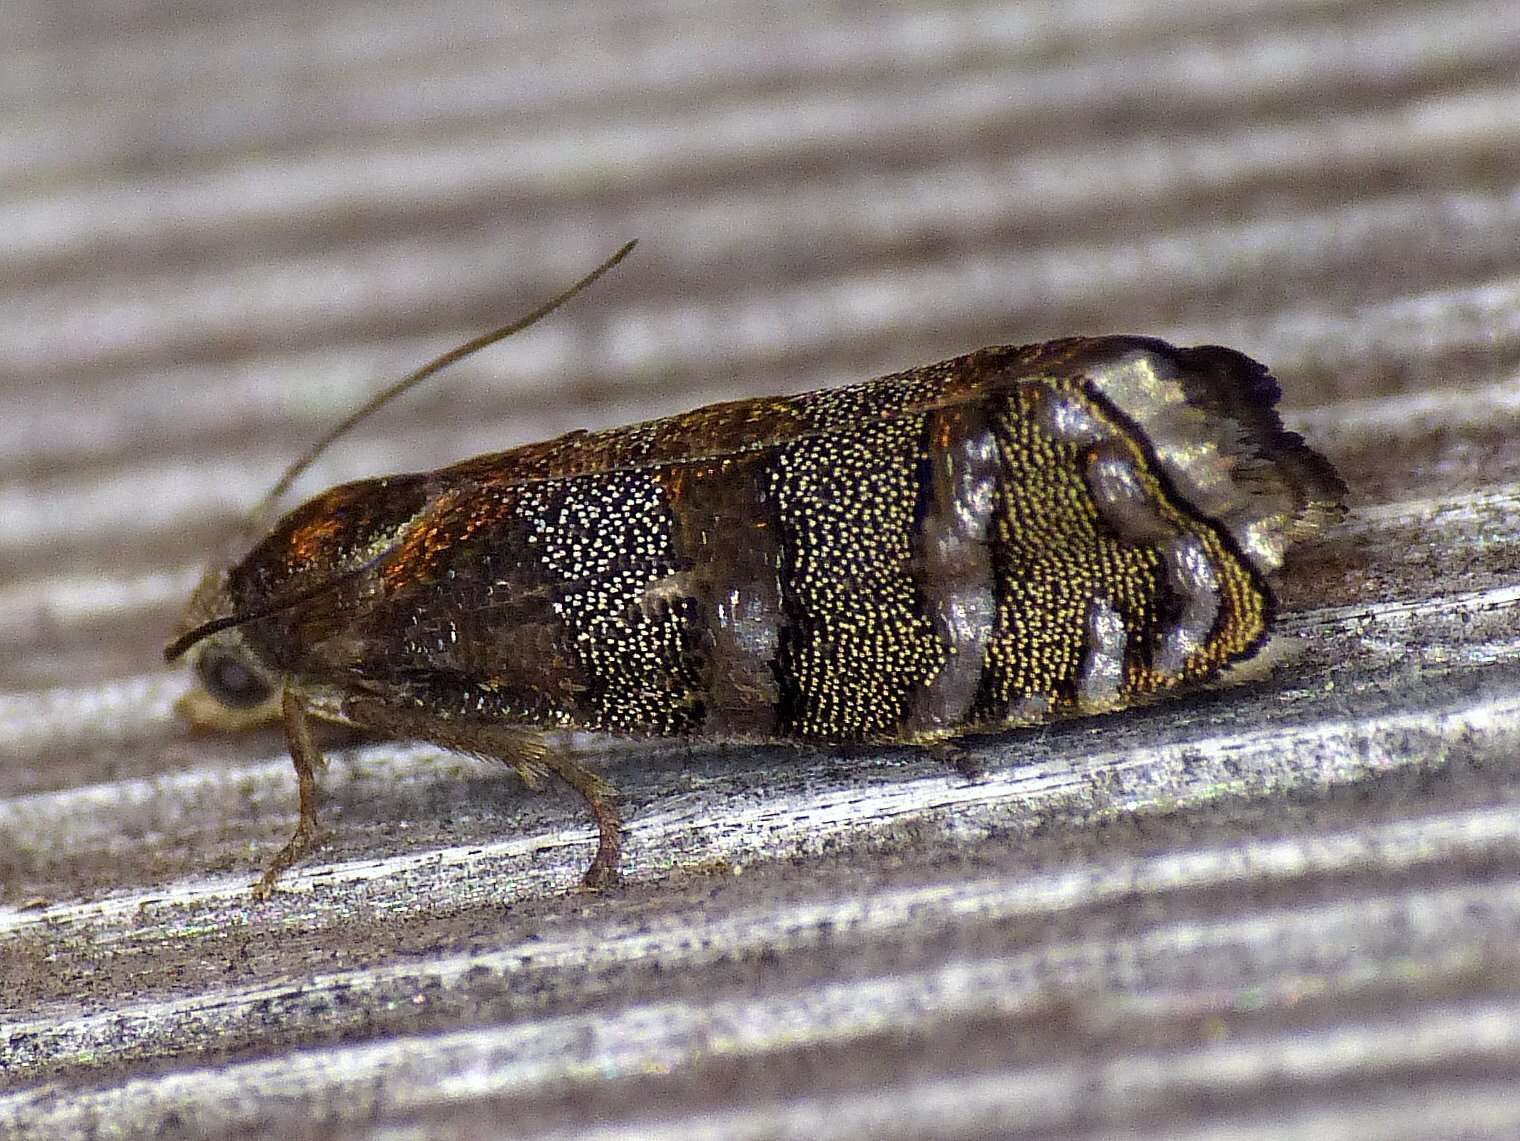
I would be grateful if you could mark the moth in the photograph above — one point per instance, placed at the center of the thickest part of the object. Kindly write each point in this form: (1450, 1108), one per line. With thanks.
(1013, 536)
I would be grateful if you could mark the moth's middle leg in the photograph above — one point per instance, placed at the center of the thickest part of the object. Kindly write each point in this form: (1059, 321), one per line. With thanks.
(526, 750)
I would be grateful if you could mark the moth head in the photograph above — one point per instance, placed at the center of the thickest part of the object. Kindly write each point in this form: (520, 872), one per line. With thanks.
(243, 630)
(232, 690)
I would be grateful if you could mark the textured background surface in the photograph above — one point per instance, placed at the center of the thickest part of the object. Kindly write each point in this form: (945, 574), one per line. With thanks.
(1289, 910)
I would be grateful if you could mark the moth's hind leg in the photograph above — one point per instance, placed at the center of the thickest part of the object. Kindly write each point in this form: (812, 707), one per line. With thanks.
(526, 750)
(601, 798)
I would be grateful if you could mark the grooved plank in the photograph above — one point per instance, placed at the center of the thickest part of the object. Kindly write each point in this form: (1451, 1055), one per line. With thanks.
(1287, 908)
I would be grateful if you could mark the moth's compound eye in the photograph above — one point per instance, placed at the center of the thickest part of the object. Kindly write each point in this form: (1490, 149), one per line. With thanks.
(230, 679)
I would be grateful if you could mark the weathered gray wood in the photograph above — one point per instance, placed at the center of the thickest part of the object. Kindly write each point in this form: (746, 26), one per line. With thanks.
(1288, 909)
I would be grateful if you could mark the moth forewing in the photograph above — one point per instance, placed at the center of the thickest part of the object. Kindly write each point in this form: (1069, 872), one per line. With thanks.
(1001, 539)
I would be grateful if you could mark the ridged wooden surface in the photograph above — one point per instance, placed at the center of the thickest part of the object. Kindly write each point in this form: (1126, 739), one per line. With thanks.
(1286, 910)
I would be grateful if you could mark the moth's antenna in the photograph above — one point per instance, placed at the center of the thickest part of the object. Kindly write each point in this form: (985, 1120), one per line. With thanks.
(411, 380)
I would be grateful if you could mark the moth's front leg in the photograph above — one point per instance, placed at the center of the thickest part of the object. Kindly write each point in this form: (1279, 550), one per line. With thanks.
(307, 758)
(525, 749)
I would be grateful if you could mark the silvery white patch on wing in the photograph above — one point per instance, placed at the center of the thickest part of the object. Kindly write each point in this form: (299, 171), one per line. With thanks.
(1103, 664)
(1122, 499)
(1066, 419)
(1191, 574)
(956, 573)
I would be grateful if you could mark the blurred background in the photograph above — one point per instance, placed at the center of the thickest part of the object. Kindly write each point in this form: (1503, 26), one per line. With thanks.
(223, 225)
